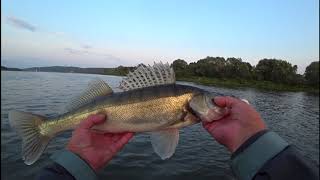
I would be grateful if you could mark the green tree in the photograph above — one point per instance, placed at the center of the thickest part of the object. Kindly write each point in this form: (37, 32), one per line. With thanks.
(275, 70)
(179, 64)
(123, 70)
(181, 68)
(312, 74)
(211, 67)
(235, 68)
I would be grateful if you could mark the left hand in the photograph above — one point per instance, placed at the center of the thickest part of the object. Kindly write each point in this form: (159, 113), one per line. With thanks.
(95, 148)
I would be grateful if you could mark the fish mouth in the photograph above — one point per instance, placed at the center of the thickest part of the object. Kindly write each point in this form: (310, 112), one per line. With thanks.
(190, 110)
(208, 98)
(203, 107)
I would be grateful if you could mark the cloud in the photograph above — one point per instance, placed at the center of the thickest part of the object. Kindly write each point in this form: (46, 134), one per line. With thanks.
(86, 52)
(57, 34)
(18, 23)
(74, 51)
(86, 46)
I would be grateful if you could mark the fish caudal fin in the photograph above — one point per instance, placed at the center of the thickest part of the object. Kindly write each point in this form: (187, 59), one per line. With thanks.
(27, 127)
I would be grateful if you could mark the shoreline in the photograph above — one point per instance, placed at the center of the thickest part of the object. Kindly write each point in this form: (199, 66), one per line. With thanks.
(229, 83)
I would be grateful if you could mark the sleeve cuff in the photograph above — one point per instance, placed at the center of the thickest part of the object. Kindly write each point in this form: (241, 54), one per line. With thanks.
(77, 167)
(248, 162)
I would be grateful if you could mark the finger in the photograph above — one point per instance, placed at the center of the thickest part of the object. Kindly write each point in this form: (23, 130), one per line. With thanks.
(109, 135)
(92, 120)
(124, 140)
(118, 136)
(206, 124)
(225, 101)
(100, 132)
(113, 135)
(209, 126)
(128, 136)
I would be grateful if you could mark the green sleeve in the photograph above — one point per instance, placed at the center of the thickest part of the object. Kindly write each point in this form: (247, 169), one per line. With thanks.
(77, 167)
(247, 163)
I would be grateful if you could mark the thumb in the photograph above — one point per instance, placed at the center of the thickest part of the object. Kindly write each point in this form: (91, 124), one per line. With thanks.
(225, 101)
(92, 120)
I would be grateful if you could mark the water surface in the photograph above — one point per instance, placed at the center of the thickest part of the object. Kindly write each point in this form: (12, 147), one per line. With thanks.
(294, 116)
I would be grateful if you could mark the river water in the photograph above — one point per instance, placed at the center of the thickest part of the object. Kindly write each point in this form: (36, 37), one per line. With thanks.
(294, 116)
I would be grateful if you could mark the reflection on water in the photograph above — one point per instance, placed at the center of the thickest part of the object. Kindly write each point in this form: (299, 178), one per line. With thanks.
(295, 116)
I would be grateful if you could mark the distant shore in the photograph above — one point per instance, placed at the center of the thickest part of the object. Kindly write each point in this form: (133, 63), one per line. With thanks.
(223, 82)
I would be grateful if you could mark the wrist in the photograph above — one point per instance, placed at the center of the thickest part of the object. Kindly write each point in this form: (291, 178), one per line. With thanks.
(84, 158)
(248, 142)
(245, 139)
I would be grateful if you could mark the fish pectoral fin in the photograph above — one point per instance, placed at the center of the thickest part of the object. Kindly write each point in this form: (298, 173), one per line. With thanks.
(188, 119)
(164, 142)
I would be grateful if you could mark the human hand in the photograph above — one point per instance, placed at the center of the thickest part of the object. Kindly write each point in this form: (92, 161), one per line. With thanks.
(239, 124)
(96, 148)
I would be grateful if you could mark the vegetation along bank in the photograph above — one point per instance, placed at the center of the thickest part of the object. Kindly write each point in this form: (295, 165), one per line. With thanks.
(268, 74)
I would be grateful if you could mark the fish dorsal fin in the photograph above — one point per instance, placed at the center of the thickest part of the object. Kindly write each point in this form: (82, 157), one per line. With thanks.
(145, 76)
(164, 142)
(96, 88)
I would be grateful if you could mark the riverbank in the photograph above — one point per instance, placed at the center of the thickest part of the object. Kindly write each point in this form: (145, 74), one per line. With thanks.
(229, 83)
(234, 83)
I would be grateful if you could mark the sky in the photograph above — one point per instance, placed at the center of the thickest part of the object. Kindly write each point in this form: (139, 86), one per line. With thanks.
(110, 33)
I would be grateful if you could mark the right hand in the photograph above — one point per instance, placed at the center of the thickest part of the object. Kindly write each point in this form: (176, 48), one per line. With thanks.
(95, 148)
(240, 123)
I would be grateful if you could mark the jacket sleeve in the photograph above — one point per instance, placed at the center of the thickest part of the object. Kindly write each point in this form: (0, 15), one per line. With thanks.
(53, 172)
(67, 166)
(267, 156)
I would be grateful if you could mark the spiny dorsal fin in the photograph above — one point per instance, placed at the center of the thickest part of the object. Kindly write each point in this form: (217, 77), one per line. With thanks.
(145, 76)
(96, 88)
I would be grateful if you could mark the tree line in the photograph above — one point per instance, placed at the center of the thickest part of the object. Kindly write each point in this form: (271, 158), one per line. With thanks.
(274, 70)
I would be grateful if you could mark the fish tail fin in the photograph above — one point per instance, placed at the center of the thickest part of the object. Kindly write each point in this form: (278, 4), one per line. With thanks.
(27, 127)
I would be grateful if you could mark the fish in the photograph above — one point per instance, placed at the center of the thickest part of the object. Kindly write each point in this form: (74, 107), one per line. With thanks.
(150, 102)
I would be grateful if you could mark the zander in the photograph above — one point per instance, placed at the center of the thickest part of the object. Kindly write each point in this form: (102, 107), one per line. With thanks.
(151, 102)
